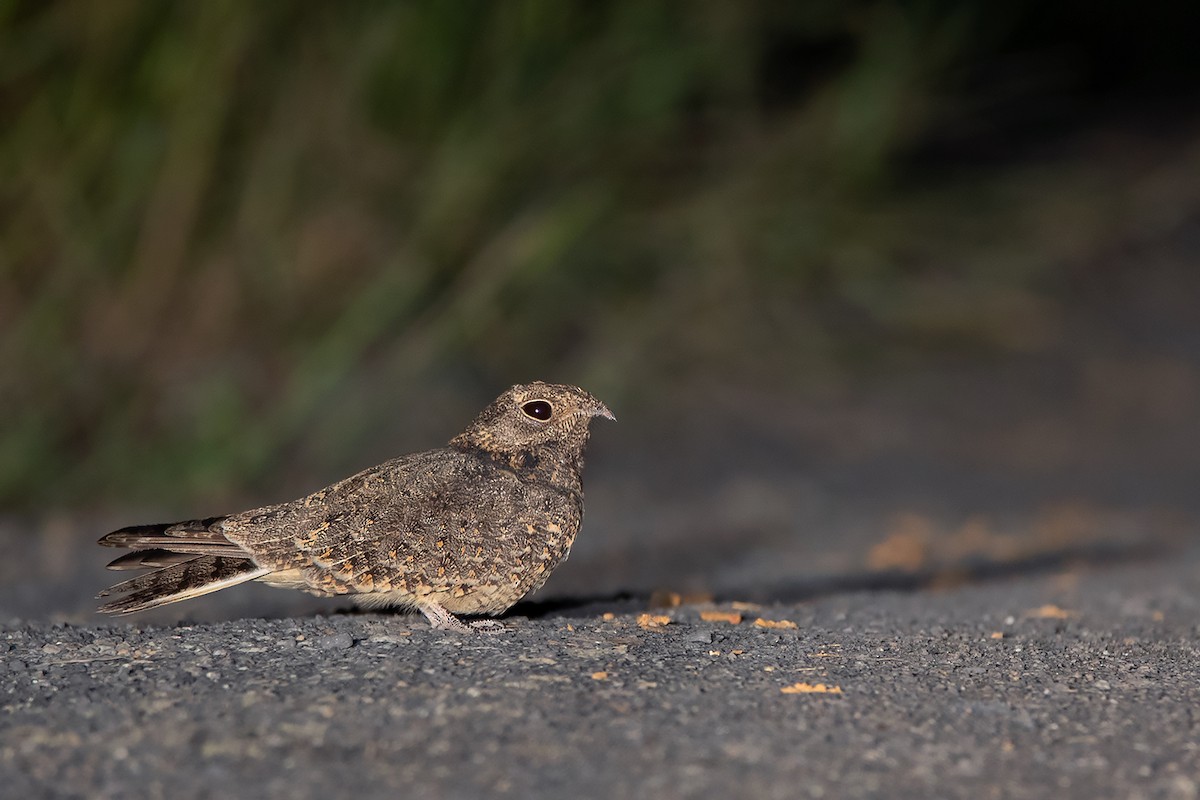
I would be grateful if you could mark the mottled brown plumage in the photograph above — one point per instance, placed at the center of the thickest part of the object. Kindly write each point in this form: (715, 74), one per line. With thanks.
(466, 529)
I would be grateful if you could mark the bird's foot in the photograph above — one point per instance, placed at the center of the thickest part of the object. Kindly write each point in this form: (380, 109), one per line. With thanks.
(487, 626)
(442, 620)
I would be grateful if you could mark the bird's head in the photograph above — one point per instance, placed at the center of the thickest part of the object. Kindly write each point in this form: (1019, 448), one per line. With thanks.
(534, 416)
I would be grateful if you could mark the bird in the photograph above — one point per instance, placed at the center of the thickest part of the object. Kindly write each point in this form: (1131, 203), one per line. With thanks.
(465, 529)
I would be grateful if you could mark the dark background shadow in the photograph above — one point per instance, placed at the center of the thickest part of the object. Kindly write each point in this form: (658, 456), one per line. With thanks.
(881, 294)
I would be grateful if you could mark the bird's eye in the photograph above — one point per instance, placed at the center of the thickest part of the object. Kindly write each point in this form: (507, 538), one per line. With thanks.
(538, 409)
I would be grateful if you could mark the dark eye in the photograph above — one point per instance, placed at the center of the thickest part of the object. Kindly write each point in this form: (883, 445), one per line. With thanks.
(538, 409)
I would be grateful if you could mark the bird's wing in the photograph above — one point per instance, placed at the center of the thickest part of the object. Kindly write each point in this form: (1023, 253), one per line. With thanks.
(410, 522)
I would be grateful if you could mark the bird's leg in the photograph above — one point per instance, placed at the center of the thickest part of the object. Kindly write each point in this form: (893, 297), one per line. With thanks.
(441, 619)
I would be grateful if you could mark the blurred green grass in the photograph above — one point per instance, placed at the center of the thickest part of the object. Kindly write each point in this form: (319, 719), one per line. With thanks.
(235, 236)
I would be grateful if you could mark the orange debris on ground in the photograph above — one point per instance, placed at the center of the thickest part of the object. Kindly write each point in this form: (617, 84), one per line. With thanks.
(775, 623)
(599, 676)
(653, 620)
(732, 617)
(738, 605)
(906, 547)
(811, 688)
(1049, 611)
(664, 599)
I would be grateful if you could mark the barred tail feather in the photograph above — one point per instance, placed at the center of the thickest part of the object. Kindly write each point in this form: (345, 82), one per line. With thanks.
(199, 536)
(183, 580)
(150, 559)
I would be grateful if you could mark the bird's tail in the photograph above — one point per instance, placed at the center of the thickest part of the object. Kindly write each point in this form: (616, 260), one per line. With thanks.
(187, 559)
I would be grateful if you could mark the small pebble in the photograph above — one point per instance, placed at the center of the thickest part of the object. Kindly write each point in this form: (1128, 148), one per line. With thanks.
(336, 641)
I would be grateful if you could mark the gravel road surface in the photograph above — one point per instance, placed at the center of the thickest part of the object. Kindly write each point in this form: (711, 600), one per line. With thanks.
(1080, 682)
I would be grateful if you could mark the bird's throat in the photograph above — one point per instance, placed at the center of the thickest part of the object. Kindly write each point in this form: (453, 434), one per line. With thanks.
(554, 463)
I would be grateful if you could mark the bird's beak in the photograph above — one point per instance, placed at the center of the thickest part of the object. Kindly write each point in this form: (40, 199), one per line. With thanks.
(601, 410)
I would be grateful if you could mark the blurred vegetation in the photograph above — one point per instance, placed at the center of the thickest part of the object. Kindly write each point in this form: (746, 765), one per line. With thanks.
(236, 237)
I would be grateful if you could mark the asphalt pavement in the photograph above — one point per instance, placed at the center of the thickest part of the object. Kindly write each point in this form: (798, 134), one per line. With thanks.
(1080, 681)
